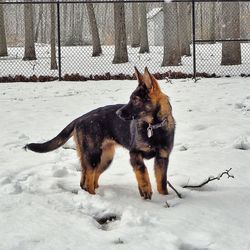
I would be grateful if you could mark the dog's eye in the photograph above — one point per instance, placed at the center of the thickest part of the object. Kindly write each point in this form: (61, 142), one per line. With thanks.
(136, 100)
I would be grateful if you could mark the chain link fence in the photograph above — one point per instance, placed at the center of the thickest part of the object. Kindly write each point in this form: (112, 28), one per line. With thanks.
(82, 38)
(222, 35)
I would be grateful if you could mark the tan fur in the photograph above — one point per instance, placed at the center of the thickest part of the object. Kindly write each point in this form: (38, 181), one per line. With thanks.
(87, 172)
(141, 174)
(143, 181)
(78, 138)
(90, 176)
(161, 99)
(89, 183)
(148, 118)
(163, 153)
(159, 173)
(143, 147)
(108, 151)
(77, 144)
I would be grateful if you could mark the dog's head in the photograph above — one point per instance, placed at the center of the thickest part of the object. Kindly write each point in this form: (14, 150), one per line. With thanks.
(146, 101)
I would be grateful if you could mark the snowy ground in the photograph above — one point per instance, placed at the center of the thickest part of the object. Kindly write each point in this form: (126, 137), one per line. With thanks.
(42, 206)
(79, 60)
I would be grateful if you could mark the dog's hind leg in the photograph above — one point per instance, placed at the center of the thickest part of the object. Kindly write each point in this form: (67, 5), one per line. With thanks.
(141, 174)
(87, 175)
(108, 151)
(90, 157)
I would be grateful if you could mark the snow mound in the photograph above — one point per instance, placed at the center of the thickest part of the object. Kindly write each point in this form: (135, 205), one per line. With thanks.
(242, 143)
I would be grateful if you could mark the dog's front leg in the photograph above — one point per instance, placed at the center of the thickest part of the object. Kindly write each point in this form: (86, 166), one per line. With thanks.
(161, 167)
(141, 174)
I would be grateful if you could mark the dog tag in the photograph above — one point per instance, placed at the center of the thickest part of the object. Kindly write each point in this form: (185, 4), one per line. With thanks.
(150, 131)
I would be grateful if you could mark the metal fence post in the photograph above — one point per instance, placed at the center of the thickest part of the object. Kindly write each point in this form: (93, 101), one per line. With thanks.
(193, 39)
(59, 42)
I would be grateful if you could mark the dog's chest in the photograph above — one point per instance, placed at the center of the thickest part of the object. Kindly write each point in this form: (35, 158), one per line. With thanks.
(148, 146)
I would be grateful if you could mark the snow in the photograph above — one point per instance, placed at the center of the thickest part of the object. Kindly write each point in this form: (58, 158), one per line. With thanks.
(43, 207)
(79, 60)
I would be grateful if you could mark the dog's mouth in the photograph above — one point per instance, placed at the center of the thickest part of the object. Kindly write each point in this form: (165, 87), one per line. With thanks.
(128, 118)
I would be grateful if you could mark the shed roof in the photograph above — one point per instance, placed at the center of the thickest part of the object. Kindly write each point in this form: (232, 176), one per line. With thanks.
(152, 13)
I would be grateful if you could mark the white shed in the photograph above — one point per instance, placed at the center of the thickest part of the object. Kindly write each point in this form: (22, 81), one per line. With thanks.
(155, 26)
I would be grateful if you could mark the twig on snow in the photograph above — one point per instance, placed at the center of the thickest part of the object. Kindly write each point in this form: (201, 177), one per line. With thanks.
(68, 147)
(178, 194)
(166, 205)
(211, 178)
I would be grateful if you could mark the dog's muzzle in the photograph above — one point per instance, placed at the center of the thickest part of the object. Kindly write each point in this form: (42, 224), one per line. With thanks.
(124, 115)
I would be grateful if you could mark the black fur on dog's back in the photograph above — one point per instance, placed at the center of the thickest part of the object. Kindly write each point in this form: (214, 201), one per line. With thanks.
(98, 123)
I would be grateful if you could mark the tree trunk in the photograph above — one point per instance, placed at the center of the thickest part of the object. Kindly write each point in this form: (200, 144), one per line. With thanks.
(64, 22)
(40, 16)
(97, 49)
(231, 52)
(121, 53)
(43, 26)
(201, 20)
(184, 22)
(213, 22)
(53, 62)
(3, 44)
(144, 29)
(29, 48)
(135, 26)
(172, 56)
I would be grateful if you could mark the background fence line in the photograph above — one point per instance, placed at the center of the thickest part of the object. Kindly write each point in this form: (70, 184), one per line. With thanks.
(205, 57)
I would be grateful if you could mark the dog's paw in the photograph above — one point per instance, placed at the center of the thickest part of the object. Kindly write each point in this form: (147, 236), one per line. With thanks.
(145, 192)
(90, 190)
(163, 191)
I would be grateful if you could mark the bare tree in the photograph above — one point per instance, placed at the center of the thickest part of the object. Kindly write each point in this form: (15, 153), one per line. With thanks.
(39, 21)
(3, 44)
(44, 24)
(135, 26)
(29, 49)
(97, 49)
(213, 21)
(69, 21)
(231, 52)
(64, 21)
(121, 53)
(53, 62)
(172, 56)
(143, 29)
(184, 21)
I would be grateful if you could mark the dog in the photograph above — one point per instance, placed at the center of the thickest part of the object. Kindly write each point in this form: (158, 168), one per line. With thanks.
(145, 127)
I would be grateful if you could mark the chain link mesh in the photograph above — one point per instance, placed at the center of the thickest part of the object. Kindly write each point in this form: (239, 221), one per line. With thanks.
(212, 32)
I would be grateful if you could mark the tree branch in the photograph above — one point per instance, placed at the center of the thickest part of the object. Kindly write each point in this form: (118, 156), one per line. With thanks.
(68, 147)
(178, 194)
(211, 178)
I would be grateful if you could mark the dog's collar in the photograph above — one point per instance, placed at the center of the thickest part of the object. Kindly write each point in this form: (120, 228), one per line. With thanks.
(151, 127)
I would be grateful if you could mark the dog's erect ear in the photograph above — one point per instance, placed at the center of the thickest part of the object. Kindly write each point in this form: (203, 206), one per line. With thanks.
(139, 76)
(150, 81)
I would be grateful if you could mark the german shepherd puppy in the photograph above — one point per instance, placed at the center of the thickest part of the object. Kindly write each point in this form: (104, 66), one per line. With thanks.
(145, 126)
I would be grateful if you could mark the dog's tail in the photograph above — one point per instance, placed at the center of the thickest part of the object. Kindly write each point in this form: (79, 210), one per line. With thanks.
(54, 143)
